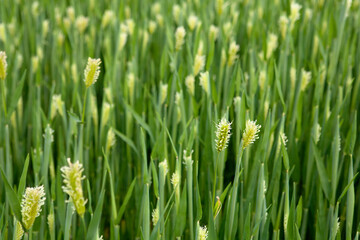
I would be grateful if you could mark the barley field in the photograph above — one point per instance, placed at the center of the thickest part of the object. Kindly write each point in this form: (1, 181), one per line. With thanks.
(168, 119)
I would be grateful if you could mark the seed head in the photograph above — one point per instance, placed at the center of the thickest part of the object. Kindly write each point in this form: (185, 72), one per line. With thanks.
(72, 180)
(3, 65)
(199, 64)
(155, 216)
(176, 11)
(19, 231)
(250, 133)
(222, 134)
(110, 139)
(163, 93)
(81, 23)
(190, 84)
(203, 233)
(204, 81)
(164, 169)
(233, 49)
(31, 204)
(92, 71)
(175, 179)
(283, 24)
(213, 32)
(108, 18)
(272, 44)
(192, 22)
(305, 79)
(179, 37)
(50, 220)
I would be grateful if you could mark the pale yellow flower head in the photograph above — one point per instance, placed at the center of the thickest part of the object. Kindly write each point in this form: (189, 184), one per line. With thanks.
(233, 49)
(81, 23)
(199, 63)
(213, 32)
(192, 22)
(175, 179)
(72, 179)
(190, 84)
(305, 79)
(19, 231)
(251, 133)
(108, 18)
(33, 200)
(204, 81)
(179, 37)
(203, 233)
(155, 216)
(3, 65)
(92, 71)
(222, 134)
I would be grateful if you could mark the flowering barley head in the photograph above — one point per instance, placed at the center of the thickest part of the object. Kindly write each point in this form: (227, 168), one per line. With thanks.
(222, 134)
(204, 81)
(3, 65)
(31, 204)
(179, 37)
(72, 180)
(203, 233)
(92, 71)
(250, 133)
(155, 216)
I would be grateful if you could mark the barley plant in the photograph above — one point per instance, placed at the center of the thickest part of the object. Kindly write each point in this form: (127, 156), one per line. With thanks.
(169, 119)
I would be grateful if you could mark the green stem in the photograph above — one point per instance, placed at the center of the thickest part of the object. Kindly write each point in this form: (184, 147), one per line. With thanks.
(83, 110)
(84, 225)
(234, 190)
(3, 96)
(214, 189)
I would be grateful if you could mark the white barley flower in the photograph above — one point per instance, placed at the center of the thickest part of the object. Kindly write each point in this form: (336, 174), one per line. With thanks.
(176, 11)
(70, 12)
(155, 216)
(19, 231)
(81, 23)
(222, 134)
(262, 79)
(108, 18)
(156, 8)
(92, 71)
(152, 26)
(130, 26)
(272, 44)
(110, 139)
(213, 32)
(33, 200)
(72, 175)
(203, 233)
(179, 37)
(163, 93)
(192, 22)
(283, 24)
(190, 84)
(305, 79)
(3, 65)
(232, 53)
(199, 64)
(122, 40)
(131, 84)
(175, 179)
(204, 81)
(294, 13)
(251, 133)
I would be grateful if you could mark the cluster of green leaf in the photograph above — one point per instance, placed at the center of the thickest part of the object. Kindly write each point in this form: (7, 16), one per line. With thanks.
(145, 131)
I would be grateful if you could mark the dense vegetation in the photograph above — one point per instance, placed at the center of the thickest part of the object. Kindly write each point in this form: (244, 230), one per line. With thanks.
(179, 119)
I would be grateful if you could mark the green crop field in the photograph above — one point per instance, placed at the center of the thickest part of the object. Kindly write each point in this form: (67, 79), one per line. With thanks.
(169, 119)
